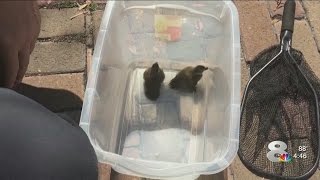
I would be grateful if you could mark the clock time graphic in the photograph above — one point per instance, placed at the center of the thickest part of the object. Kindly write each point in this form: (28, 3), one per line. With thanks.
(277, 152)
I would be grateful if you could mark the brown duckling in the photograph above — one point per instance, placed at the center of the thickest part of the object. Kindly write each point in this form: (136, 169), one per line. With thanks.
(153, 79)
(187, 79)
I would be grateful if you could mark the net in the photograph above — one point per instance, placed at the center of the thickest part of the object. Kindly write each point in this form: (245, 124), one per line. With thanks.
(279, 126)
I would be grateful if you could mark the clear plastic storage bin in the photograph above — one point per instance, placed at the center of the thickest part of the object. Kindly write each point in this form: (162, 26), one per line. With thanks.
(181, 135)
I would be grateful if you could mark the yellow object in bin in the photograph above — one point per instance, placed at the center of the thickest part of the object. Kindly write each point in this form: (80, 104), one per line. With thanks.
(168, 27)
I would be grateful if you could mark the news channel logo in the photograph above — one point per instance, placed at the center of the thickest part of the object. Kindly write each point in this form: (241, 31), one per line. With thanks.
(277, 152)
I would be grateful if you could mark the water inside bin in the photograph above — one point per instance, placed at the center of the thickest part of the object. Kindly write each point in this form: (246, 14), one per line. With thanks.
(171, 128)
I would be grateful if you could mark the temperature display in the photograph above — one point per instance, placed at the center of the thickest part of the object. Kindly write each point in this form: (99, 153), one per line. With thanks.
(277, 152)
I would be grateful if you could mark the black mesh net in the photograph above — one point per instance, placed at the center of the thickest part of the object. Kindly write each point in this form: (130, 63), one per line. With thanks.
(280, 106)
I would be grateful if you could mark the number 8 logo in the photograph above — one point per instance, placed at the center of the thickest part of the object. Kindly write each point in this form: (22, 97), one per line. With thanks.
(276, 148)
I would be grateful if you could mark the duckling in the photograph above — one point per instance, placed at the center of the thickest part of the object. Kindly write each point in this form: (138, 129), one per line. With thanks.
(187, 79)
(153, 79)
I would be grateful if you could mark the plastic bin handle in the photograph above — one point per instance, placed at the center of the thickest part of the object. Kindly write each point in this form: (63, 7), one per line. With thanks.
(172, 6)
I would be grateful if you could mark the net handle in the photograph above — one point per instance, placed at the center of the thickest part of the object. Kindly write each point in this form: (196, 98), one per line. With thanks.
(288, 16)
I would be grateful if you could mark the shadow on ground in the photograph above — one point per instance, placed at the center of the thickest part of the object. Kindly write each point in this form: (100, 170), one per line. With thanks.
(56, 100)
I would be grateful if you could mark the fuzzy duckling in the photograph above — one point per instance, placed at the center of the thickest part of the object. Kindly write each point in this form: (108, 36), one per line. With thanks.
(153, 78)
(187, 79)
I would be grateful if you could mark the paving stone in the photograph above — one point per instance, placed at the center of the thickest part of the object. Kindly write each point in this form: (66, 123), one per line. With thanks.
(104, 171)
(61, 57)
(240, 172)
(55, 22)
(117, 176)
(256, 31)
(316, 175)
(245, 73)
(89, 31)
(304, 41)
(313, 12)
(223, 175)
(97, 17)
(89, 61)
(57, 92)
(277, 12)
